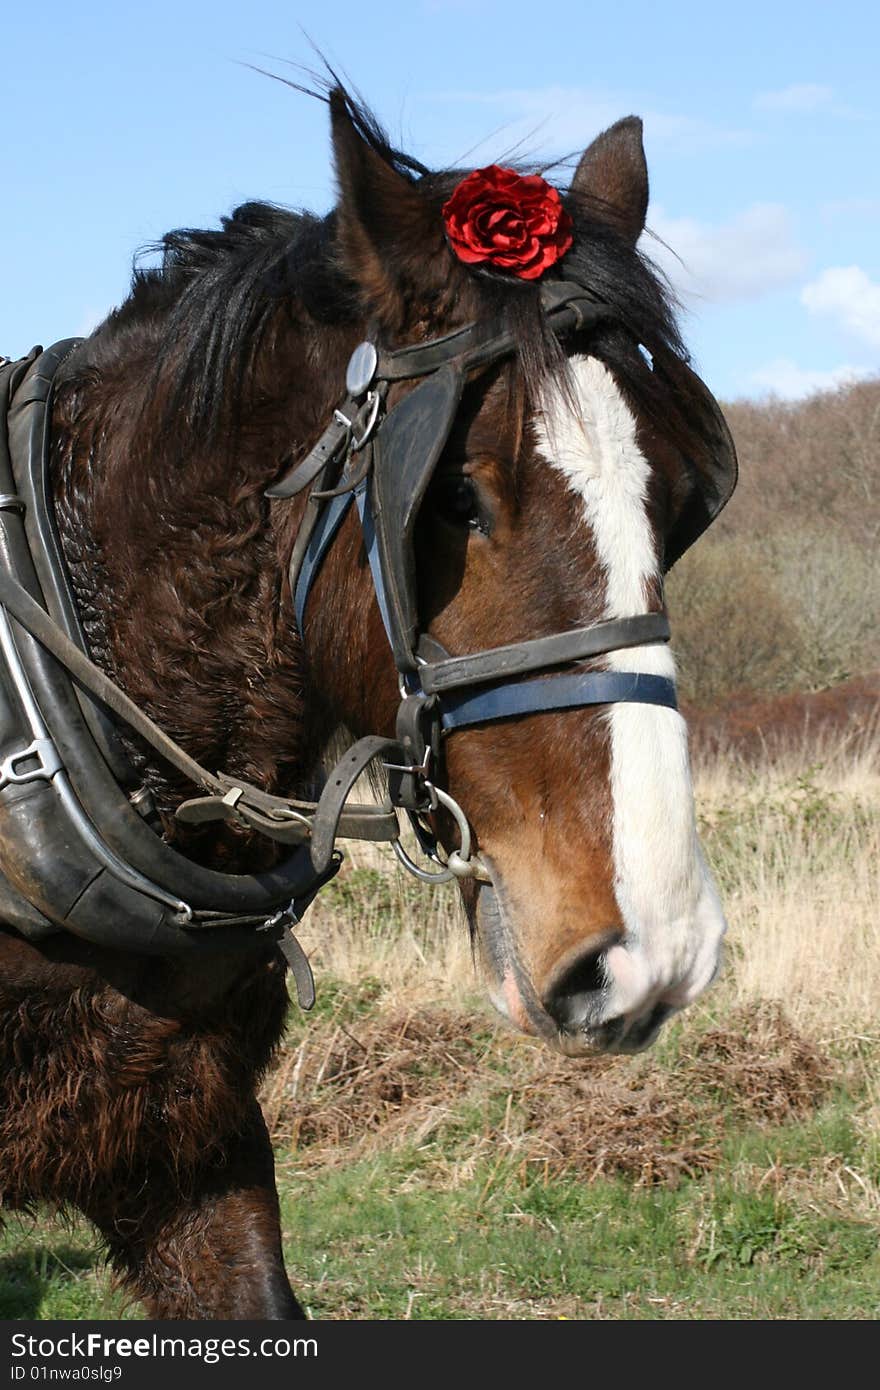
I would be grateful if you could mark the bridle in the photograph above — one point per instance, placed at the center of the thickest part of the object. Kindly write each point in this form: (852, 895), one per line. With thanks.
(384, 461)
(77, 849)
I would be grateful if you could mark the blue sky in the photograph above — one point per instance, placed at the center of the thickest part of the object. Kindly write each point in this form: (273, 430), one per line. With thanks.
(761, 128)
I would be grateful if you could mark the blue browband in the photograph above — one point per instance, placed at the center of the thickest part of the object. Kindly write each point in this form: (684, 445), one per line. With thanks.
(563, 691)
(466, 706)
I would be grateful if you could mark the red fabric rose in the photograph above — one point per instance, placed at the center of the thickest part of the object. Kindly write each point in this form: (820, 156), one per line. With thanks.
(513, 222)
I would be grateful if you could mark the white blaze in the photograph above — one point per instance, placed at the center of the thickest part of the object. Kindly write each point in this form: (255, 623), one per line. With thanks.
(665, 893)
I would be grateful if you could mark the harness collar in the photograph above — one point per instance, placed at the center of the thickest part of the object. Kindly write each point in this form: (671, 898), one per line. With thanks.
(75, 853)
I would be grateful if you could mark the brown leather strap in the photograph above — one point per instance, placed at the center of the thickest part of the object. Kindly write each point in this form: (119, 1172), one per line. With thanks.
(287, 822)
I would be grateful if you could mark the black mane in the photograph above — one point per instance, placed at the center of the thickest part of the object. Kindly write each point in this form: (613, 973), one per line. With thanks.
(212, 297)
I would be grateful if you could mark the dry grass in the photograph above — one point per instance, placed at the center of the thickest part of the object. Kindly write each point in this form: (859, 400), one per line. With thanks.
(655, 1124)
(343, 1082)
(795, 840)
(399, 1078)
(377, 922)
(406, 1054)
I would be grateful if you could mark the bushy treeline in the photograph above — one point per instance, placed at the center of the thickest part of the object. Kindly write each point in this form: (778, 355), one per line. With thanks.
(783, 592)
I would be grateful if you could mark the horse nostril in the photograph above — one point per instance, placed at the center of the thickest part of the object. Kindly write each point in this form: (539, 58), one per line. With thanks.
(572, 999)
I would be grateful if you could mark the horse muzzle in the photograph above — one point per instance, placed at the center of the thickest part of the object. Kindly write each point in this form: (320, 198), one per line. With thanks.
(610, 996)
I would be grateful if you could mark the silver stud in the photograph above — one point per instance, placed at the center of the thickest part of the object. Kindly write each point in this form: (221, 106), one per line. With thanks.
(361, 369)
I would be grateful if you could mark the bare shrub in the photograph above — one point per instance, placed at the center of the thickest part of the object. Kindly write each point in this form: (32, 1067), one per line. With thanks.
(793, 610)
(731, 627)
(783, 592)
(830, 585)
(815, 461)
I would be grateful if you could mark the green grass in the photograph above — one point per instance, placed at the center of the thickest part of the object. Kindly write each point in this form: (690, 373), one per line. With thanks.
(50, 1269)
(392, 1236)
(448, 1169)
(429, 1232)
(600, 1250)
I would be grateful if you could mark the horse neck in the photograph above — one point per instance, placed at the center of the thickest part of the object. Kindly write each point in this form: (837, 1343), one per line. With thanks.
(179, 562)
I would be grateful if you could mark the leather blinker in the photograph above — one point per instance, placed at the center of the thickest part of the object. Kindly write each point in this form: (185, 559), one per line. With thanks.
(407, 450)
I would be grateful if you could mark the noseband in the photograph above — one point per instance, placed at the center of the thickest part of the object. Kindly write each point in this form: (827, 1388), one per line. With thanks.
(384, 461)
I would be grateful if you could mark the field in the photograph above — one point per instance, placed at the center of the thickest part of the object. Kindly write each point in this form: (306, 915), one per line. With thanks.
(434, 1165)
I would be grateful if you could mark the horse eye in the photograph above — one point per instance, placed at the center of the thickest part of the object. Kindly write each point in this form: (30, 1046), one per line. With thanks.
(456, 501)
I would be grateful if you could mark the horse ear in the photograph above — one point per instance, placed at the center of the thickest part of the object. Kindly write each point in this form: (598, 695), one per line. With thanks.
(613, 175)
(388, 233)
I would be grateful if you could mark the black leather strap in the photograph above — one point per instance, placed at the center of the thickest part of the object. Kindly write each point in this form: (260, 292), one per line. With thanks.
(337, 790)
(29, 437)
(566, 304)
(541, 653)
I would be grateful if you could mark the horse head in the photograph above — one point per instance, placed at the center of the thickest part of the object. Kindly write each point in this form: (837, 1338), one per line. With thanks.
(567, 474)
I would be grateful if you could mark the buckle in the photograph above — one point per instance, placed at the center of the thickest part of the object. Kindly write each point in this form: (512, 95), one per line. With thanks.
(418, 733)
(47, 759)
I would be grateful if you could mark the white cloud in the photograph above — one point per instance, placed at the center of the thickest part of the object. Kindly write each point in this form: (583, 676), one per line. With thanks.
(800, 96)
(848, 295)
(744, 258)
(786, 379)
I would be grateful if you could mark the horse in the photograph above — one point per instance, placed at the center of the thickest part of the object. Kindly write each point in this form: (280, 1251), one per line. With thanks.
(553, 454)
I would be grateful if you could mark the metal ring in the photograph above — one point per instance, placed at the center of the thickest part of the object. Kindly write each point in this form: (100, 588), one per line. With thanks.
(462, 868)
(461, 862)
(444, 876)
(458, 815)
(469, 868)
